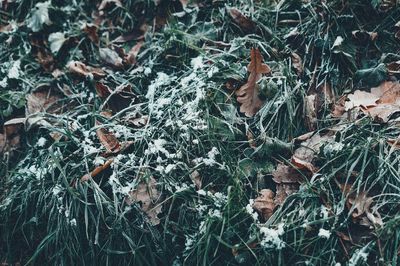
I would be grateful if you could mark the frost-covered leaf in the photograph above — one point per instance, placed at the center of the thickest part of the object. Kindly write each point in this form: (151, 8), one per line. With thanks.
(147, 194)
(39, 16)
(111, 57)
(56, 41)
(81, 69)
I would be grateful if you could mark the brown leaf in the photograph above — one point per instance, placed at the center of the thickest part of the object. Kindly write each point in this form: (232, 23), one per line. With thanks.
(108, 140)
(196, 178)
(11, 139)
(246, 24)
(117, 99)
(106, 4)
(393, 67)
(360, 98)
(81, 69)
(283, 191)
(286, 174)
(111, 57)
(264, 204)
(130, 57)
(97, 171)
(297, 63)
(310, 111)
(361, 210)
(44, 99)
(91, 30)
(149, 196)
(303, 156)
(247, 95)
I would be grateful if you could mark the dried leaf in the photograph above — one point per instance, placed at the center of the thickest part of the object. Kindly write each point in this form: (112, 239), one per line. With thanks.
(106, 4)
(247, 95)
(196, 178)
(303, 157)
(360, 98)
(297, 63)
(283, 191)
(44, 99)
(393, 67)
(310, 111)
(111, 57)
(97, 171)
(149, 196)
(117, 99)
(264, 204)
(246, 24)
(108, 140)
(11, 139)
(91, 30)
(81, 69)
(286, 174)
(360, 205)
(130, 57)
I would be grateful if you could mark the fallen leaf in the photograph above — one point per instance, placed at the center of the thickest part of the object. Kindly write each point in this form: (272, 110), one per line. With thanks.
(44, 99)
(91, 31)
(393, 67)
(97, 170)
(247, 95)
(81, 69)
(56, 40)
(360, 98)
(283, 191)
(108, 139)
(382, 112)
(246, 24)
(304, 155)
(130, 57)
(106, 4)
(287, 181)
(310, 111)
(360, 204)
(11, 139)
(297, 64)
(264, 204)
(149, 196)
(117, 99)
(111, 57)
(196, 178)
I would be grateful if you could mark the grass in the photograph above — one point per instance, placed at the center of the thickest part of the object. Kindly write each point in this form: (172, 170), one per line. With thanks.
(47, 216)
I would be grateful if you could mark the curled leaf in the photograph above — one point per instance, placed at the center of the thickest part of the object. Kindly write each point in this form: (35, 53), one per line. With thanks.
(81, 69)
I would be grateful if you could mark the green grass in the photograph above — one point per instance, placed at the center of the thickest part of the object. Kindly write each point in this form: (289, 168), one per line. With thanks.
(47, 216)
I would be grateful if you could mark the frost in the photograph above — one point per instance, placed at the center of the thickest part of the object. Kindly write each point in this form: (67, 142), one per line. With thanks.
(72, 222)
(359, 256)
(157, 146)
(14, 71)
(56, 41)
(161, 80)
(197, 63)
(250, 210)
(41, 142)
(39, 16)
(169, 168)
(272, 237)
(57, 190)
(324, 233)
(215, 213)
(324, 212)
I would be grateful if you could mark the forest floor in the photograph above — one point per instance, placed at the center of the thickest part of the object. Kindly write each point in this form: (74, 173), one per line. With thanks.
(199, 132)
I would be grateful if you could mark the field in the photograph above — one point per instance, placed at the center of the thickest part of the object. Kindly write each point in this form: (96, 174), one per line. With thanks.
(178, 132)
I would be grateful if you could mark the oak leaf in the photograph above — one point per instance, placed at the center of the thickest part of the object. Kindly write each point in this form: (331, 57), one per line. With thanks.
(247, 95)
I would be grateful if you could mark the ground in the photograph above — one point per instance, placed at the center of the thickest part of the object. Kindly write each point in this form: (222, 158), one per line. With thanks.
(199, 132)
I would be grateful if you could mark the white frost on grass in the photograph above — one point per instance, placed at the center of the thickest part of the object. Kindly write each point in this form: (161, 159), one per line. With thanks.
(41, 142)
(250, 210)
(359, 257)
(272, 237)
(15, 70)
(323, 233)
